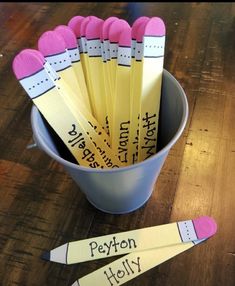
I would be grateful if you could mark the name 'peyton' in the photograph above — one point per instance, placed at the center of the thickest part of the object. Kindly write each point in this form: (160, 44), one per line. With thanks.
(112, 246)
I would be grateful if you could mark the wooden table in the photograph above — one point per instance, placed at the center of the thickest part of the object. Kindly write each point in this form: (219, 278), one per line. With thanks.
(42, 208)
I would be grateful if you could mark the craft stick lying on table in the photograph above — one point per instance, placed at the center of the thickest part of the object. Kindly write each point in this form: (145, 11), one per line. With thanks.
(132, 241)
(152, 69)
(72, 48)
(41, 88)
(132, 265)
(136, 263)
(136, 84)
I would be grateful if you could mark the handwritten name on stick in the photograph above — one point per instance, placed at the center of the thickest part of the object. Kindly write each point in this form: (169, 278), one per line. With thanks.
(150, 134)
(77, 139)
(111, 246)
(126, 268)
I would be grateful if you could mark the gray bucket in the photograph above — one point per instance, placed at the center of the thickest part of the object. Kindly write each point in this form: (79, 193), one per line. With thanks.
(126, 189)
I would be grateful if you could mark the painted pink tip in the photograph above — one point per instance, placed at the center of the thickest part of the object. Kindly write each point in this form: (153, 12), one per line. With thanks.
(140, 31)
(106, 26)
(75, 25)
(84, 24)
(115, 30)
(205, 227)
(155, 27)
(25, 64)
(36, 53)
(51, 43)
(138, 22)
(93, 29)
(68, 36)
(125, 37)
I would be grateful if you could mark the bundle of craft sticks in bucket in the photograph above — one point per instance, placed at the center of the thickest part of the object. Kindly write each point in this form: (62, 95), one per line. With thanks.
(98, 85)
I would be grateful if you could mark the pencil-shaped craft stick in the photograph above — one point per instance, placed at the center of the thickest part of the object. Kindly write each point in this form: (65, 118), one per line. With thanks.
(50, 71)
(114, 31)
(106, 73)
(132, 241)
(121, 112)
(106, 45)
(72, 48)
(152, 68)
(80, 109)
(75, 24)
(137, 31)
(52, 45)
(96, 75)
(84, 56)
(132, 265)
(90, 124)
(41, 88)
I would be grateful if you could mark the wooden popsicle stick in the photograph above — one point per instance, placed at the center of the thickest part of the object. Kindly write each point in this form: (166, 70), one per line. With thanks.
(106, 69)
(72, 48)
(136, 83)
(92, 127)
(152, 68)
(133, 241)
(42, 90)
(121, 113)
(96, 75)
(114, 31)
(53, 48)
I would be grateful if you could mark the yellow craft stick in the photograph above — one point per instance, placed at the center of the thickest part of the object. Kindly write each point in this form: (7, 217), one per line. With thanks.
(106, 59)
(114, 31)
(53, 48)
(132, 241)
(136, 83)
(96, 75)
(136, 263)
(76, 101)
(71, 99)
(96, 133)
(72, 48)
(130, 266)
(78, 25)
(84, 58)
(121, 114)
(93, 129)
(42, 90)
(152, 68)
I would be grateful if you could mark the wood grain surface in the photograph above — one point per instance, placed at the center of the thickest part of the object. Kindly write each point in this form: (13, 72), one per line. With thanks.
(42, 208)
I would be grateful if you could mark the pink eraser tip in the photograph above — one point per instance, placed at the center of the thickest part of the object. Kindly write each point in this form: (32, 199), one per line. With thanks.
(84, 23)
(140, 31)
(205, 227)
(125, 37)
(115, 30)
(106, 26)
(68, 36)
(155, 27)
(51, 43)
(75, 25)
(136, 24)
(93, 29)
(36, 53)
(25, 64)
